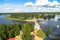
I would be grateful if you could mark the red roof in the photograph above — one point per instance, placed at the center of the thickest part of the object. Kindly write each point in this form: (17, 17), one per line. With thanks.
(11, 39)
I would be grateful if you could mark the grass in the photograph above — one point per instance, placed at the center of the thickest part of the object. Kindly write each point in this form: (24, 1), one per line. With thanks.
(41, 34)
(10, 18)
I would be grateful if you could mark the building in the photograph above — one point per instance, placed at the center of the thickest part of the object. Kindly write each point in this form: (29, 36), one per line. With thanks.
(57, 17)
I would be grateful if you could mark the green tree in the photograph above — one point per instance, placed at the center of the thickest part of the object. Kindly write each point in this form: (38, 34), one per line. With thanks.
(26, 31)
(17, 29)
(2, 32)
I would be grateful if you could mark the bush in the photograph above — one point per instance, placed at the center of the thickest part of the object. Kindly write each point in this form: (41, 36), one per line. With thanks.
(9, 31)
(26, 36)
(2, 32)
(40, 33)
(27, 28)
(12, 30)
(1, 38)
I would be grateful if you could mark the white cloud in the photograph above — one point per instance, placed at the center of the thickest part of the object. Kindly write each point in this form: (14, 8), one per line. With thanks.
(10, 8)
(41, 3)
(28, 4)
(37, 3)
(38, 6)
(31, 7)
(54, 3)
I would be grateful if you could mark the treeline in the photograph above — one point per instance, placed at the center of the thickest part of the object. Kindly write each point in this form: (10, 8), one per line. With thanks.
(27, 29)
(58, 13)
(34, 13)
(9, 31)
(24, 16)
(30, 16)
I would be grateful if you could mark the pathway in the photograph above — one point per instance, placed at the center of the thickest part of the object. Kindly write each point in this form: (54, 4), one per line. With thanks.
(35, 36)
(36, 27)
(19, 36)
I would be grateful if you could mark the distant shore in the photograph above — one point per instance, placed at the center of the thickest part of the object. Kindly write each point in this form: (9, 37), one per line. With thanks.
(27, 20)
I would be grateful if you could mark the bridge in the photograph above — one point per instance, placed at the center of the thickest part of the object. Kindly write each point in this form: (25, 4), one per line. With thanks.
(36, 26)
(33, 20)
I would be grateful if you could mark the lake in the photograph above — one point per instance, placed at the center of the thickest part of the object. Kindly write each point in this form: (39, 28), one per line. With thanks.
(48, 23)
(43, 24)
(4, 20)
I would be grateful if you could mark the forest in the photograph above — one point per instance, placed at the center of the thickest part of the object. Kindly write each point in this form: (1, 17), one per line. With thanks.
(11, 30)
(23, 16)
(30, 15)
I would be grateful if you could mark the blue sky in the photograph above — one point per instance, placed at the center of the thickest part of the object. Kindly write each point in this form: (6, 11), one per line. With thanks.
(19, 1)
(15, 1)
(29, 6)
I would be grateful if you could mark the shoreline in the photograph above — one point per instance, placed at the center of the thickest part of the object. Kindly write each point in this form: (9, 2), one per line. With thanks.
(29, 20)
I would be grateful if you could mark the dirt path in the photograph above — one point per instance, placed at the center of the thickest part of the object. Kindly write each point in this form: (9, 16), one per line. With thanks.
(35, 36)
(32, 33)
(19, 36)
(36, 27)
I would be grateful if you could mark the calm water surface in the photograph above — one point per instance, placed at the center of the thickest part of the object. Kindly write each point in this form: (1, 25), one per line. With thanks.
(48, 23)
(4, 20)
(43, 24)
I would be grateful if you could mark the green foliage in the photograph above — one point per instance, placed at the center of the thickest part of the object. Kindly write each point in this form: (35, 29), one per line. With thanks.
(26, 36)
(48, 30)
(23, 16)
(40, 33)
(1, 38)
(29, 24)
(9, 31)
(27, 28)
(2, 32)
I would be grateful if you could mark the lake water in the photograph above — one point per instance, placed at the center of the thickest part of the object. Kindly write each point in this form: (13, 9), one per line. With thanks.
(43, 24)
(49, 23)
(4, 20)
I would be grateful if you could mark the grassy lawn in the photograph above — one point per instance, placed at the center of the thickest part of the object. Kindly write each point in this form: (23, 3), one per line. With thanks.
(41, 34)
(10, 18)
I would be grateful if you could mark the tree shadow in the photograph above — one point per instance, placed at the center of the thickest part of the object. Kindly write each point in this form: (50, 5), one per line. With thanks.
(33, 37)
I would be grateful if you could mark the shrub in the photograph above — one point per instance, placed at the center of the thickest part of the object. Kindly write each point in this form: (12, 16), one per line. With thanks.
(26, 36)
(9, 31)
(29, 26)
(26, 31)
(2, 32)
(12, 30)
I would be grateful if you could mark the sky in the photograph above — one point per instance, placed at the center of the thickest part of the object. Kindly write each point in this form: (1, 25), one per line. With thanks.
(8, 6)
